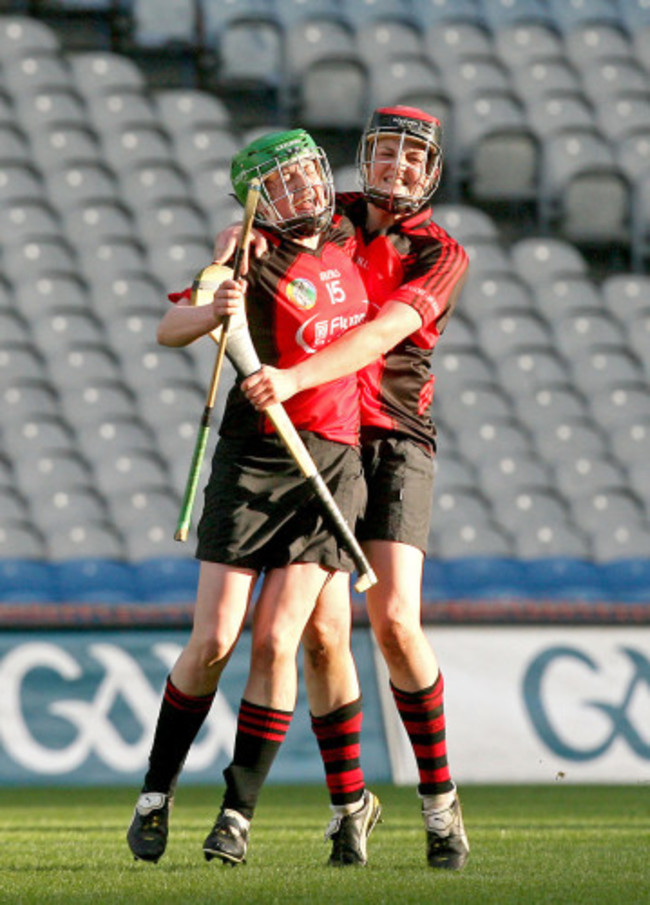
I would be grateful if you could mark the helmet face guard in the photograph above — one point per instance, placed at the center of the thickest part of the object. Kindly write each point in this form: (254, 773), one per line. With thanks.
(406, 124)
(297, 196)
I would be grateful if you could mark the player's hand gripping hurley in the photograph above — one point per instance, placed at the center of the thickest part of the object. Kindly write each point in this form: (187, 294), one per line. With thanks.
(183, 526)
(242, 355)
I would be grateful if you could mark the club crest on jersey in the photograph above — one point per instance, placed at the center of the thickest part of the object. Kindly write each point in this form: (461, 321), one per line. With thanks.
(302, 293)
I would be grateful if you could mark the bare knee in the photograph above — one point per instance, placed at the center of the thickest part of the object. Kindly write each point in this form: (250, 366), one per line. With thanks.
(272, 652)
(395, 634)
(323, 642)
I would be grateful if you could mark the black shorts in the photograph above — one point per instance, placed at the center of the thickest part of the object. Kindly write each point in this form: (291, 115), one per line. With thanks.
(399, 477)
(260, 513)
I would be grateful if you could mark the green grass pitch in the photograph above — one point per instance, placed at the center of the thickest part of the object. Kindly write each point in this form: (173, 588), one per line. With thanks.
(531, 845)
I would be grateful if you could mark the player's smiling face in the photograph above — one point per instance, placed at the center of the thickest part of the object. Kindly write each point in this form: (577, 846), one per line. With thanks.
(297, 188)
(399, 166)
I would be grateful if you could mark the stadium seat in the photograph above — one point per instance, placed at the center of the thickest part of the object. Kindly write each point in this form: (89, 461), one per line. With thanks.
(513, 329)
(461, 540)
(57, 509)
(568, 14)
(98, 220)
(550, 405)
(587, 474)
(606, 78)
(23, 34)
(584, 196)
(544, 541)
(639, 41)
(85, 540)
(99, 72)
(183, 109)
(607, 365)
(620, 542)
(640, 244)
(98, 400)
(145, 185)
(509, 472)
(49, 107)
(569, 440)
(632, 152)
(45, 293)
(204, 144)
(620, 403)
(83, 362)
(465, 222)
(447, 41)
(131, 471)
(96, 579)
(20, 539)
(177, 260)
(587, 42)
(113, 436)
(468, 74)
(501, 13)
(616, 506)
(437, 12)
(19, 183)
(59, 144)
(73, 184)
(379, 39)
(563, 577)
(495, 152)
(578, 331)
(558, 110)
(135, 145)
(518, 42)
(35, 70)
(629, 441)
(525, 507)
(62, 469)
(537, 259)
(24, 398)
(491, 293)
(539, 77)
(523, 371)
(26, 580)
(168, 580)
(333, 93)
(119, 108)
(492, 438)
(165, 26)
(562, 295)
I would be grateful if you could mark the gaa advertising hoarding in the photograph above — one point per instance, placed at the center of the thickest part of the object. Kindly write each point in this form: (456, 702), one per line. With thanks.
(524, 704)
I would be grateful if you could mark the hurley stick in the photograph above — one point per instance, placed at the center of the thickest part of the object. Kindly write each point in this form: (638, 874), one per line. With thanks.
(185, 516)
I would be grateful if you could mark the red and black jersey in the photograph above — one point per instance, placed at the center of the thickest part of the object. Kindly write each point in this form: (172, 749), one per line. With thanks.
(415, 262)
(298, 301)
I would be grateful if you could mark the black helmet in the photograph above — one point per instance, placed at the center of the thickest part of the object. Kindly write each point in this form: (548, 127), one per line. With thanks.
(403, 123)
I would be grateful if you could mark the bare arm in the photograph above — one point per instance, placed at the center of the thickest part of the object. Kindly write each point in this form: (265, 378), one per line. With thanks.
(226, 242)
(348, 354)
(183, 323)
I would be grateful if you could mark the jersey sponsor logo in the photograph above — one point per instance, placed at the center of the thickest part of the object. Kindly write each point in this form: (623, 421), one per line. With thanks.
(330, 275)
(302, 293)
(313, 334)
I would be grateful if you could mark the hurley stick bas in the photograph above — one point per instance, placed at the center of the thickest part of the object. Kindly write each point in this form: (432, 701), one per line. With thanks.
(243, 357)
(185, 516)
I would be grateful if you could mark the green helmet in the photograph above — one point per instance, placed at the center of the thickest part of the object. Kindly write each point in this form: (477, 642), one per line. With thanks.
(270, 154)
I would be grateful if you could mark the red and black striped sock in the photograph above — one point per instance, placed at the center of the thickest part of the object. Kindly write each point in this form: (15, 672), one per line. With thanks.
(339, 739)
(423, 716)
(180, 718)
(260, 732)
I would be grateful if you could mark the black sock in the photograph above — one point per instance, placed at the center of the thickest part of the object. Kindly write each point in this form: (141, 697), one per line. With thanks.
(180, 718)
(260, 732)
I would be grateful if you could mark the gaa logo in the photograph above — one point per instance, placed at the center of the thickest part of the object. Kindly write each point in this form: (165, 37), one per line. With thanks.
(302, 293)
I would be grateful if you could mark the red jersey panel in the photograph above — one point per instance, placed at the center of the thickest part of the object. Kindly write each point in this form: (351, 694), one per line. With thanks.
(298, 301)
(419, 264)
